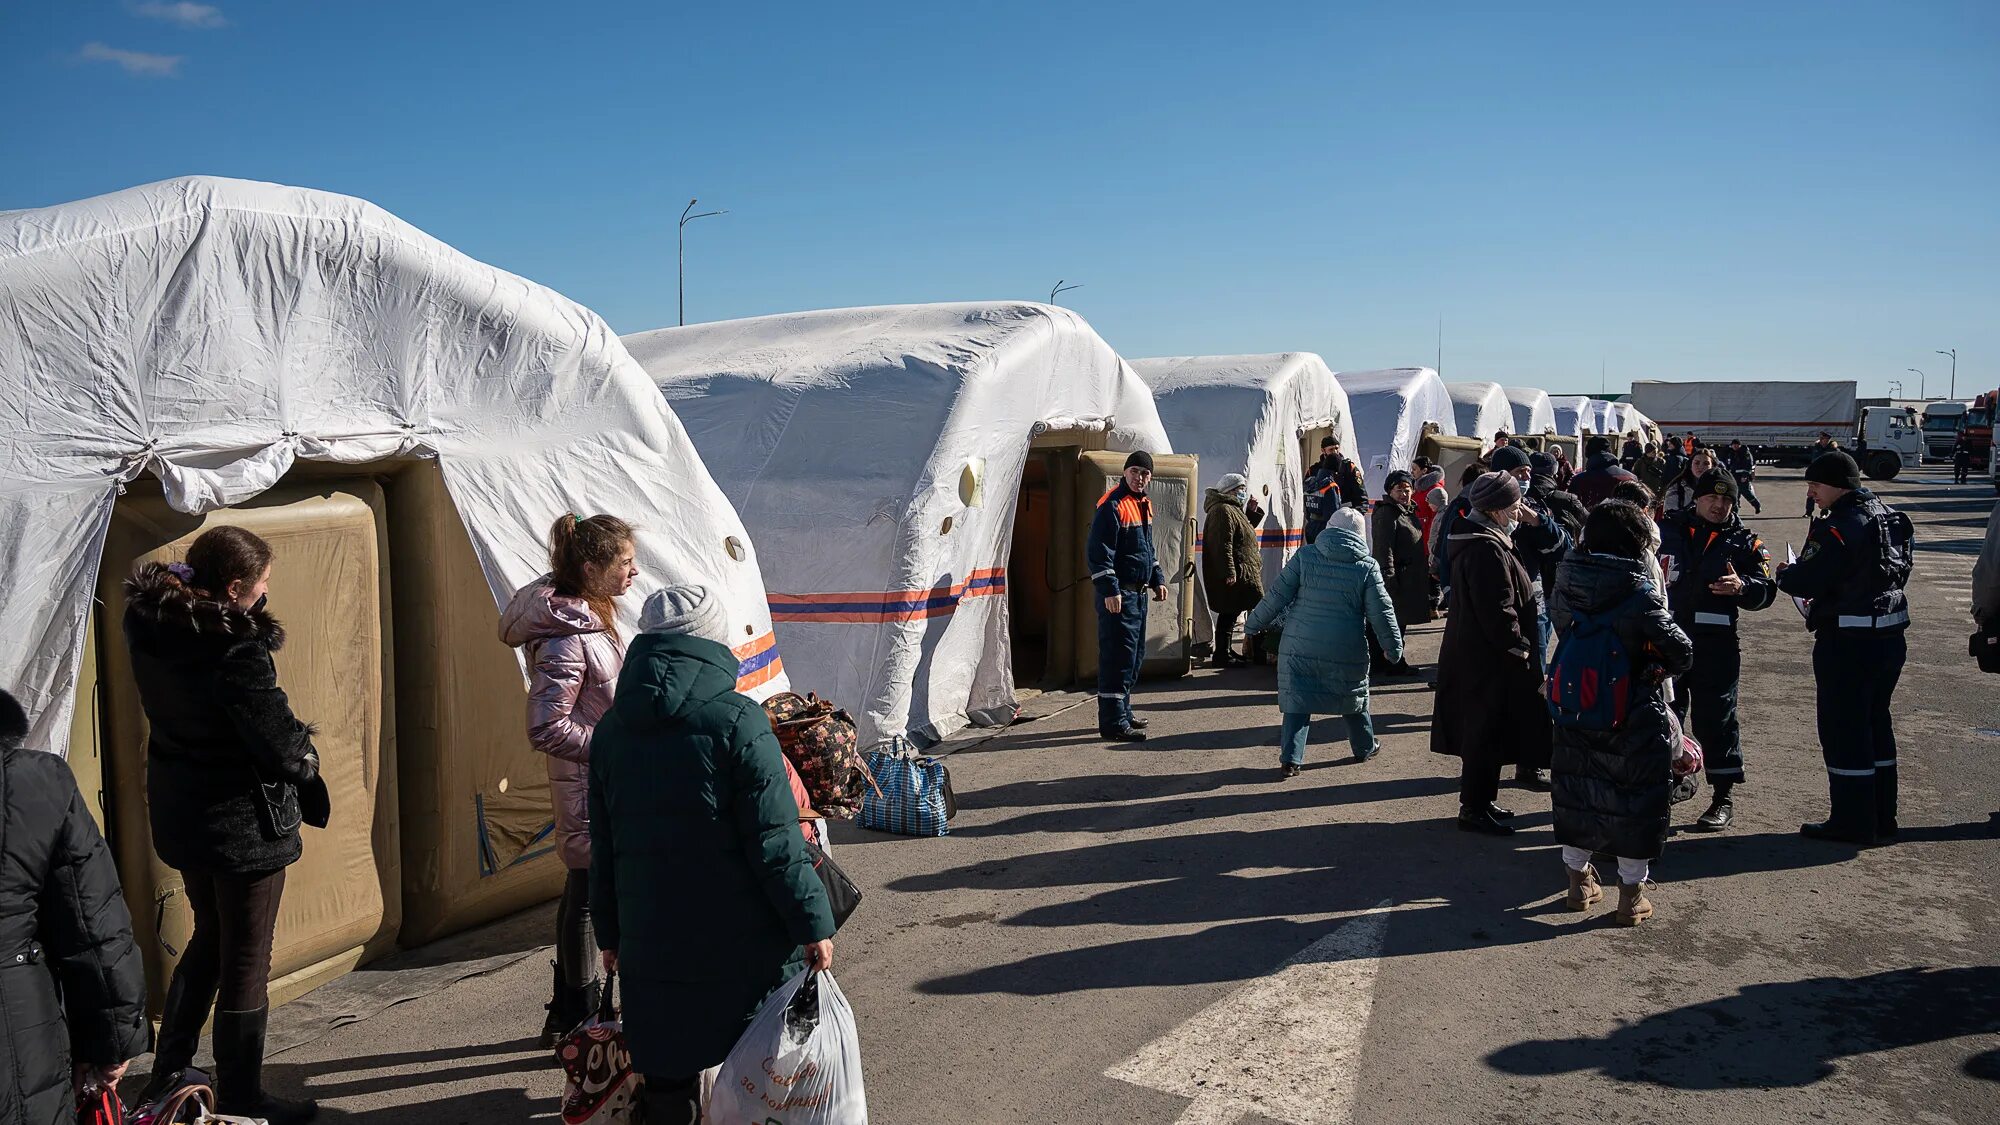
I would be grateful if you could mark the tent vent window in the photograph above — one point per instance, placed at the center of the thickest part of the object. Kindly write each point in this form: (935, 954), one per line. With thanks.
(972, 483)
(734, 546)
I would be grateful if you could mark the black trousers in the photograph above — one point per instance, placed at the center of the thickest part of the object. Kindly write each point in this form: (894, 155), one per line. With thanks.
(576, 943)
(670, 1101)
(235, 918)
(1856, 671)
(1705, 699)
(1478, 781)
(1225, 631)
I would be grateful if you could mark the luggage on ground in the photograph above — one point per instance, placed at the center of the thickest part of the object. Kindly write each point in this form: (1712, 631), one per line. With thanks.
(913, 795)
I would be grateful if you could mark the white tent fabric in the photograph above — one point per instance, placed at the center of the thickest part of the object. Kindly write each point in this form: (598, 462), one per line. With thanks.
(1245, 414)
(1390, 409)
(877, 454)
(1533, 412)
(1480, 409)
(211, 332)
(1602, 418)
(1572, 413)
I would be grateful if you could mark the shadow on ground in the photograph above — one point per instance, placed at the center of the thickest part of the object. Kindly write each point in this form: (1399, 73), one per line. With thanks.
(1787, 1034)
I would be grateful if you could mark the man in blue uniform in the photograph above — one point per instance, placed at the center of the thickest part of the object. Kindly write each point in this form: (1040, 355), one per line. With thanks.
(1715, 567)
(1332, 483)
(1123, 569)
(1855, 563)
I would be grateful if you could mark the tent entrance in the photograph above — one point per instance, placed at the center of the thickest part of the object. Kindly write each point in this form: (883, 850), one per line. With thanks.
(1031, 566)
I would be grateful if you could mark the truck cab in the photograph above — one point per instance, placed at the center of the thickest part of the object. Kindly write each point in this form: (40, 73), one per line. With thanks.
(1941, 423)
(1887, 440)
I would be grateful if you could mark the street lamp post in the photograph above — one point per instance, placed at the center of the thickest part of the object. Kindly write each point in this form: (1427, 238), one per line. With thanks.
(1920, 380)
(1896, 387)
(1953, 353)
(680, 241)
(1060, 289)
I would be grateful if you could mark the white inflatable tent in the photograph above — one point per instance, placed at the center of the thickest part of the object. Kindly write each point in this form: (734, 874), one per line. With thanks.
(878, 454)
(1480, 410)
(213, 332)
(1533, 412)
(402, 424)
(1603, 418)
(1390, 410)
(1259, 415)
(1572, 414)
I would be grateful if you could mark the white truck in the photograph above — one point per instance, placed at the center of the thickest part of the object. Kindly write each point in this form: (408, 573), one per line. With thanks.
(1782, 420)
(1941, 422)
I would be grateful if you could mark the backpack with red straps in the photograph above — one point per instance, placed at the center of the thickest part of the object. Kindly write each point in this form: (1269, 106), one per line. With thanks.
(1590, 678)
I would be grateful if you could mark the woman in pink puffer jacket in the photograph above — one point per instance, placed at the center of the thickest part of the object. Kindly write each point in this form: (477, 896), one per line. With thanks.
(566, 623)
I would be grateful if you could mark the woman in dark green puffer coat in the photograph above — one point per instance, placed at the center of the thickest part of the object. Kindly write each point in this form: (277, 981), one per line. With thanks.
(700, 887)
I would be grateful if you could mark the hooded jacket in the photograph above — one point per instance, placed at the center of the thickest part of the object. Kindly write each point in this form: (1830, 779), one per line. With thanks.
(1232, 568)
(699, 876)
(573, 662)
(225, 756)
(1324, 595)
(1601, 473)
(72, 986)
(1612, 789)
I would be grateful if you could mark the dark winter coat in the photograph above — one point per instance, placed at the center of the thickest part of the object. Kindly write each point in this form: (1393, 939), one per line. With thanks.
(1489, 689)
(1232, 569)
(72, 987)
(1119, 549)
(1399, 550)
(1612, 787)
(1601, 473)
(1567, 511)
(226, 761)
(698, 872)
(1703, 552)
(1652, 472)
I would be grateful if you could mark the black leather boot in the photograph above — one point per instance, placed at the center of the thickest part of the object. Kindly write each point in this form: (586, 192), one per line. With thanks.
(239, 1072)
(189, 997)
(1721, 814)
(1483, 821)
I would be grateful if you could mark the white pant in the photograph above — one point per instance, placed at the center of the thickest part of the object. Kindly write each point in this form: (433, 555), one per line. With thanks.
(1630, 871)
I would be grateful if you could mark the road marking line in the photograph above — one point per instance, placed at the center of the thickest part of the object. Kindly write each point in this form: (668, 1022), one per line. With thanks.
(1286, 1045)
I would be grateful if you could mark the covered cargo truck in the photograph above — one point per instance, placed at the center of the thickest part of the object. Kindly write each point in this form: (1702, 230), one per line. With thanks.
(1781, 420)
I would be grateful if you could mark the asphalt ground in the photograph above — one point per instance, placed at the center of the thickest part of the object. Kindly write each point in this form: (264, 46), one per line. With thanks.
(1236, 947)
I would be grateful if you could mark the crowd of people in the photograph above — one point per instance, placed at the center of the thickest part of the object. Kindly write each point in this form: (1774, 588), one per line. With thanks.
(1590, 643)
(1591, 630)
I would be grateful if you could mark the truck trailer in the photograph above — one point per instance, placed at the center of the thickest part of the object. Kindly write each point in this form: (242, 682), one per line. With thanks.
(1782, 420)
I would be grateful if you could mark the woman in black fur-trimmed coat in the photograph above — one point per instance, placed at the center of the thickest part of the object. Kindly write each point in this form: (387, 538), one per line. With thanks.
(231, 774)
(72, 987)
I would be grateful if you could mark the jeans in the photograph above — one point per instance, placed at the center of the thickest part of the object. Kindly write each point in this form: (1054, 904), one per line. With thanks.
(1121, 646)
(1749, 492)
(1292, 737)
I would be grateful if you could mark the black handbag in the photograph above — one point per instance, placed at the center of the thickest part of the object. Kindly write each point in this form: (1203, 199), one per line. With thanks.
(842, 896)
(1985, 645)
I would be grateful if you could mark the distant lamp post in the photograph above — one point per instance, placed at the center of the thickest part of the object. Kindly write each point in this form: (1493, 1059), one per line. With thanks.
(1953, 353)
(1060, 289)
(680, 240)
(1896, 388)
(1920, 380)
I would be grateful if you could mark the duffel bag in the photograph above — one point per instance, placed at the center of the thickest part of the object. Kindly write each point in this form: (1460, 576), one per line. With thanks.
(821, 742)
(913, 795)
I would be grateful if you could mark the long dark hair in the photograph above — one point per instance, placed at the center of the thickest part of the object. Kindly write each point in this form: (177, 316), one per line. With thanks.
(226, 554)
(575, 543)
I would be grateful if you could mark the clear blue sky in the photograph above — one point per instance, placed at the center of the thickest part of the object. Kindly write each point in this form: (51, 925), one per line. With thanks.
(1802, 190)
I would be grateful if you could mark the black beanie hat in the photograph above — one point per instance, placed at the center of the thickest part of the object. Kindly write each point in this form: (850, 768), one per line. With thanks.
(1507, 458)
(1834, 468)
(13, 721)
(1713, 483)
(1541, 464)
(1140, 459)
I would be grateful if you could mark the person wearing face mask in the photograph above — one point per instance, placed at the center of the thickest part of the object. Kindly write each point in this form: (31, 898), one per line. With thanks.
(1124, 571)
(1490, 710)
(231, 774)
(566, 623)
(1715, 568)
(1232, 571)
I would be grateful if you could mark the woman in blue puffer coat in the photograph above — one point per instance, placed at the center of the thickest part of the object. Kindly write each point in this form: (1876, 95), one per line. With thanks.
(1323, 596)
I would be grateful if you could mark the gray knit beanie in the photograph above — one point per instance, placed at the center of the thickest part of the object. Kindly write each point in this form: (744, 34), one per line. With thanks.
(685, 611)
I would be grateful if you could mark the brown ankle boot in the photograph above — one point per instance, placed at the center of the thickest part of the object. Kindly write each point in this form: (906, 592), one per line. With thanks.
(1584, 889)
(1633, 906)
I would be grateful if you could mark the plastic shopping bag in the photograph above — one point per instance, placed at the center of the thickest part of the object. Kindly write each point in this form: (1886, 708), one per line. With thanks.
(799, 1063)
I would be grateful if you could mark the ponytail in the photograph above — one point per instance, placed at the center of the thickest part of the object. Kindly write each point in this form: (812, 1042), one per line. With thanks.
(575, 543)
